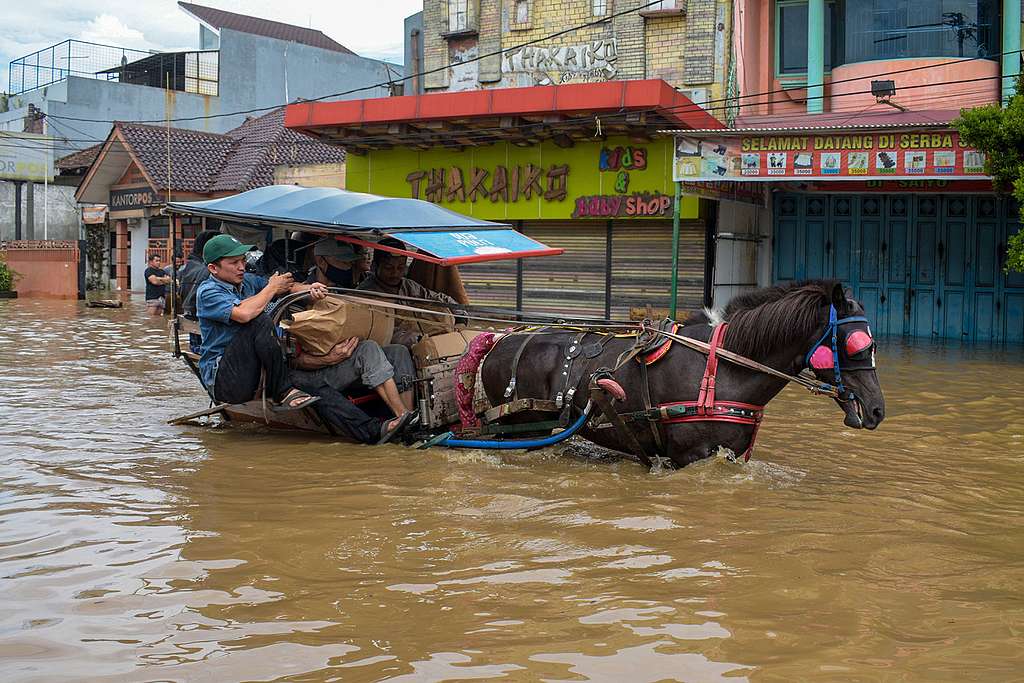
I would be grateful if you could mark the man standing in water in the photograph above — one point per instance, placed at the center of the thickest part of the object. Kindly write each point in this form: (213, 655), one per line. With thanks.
(156, 285)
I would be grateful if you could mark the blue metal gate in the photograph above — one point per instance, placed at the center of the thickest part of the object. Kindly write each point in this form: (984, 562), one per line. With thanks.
(923, 265)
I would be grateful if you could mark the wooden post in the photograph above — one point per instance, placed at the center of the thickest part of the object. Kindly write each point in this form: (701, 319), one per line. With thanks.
(121, 254)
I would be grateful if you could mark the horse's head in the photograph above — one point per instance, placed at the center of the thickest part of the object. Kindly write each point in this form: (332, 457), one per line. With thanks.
(842, 353)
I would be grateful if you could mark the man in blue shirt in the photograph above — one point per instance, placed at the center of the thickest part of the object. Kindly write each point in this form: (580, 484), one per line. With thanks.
(238, 338)
(239, 344)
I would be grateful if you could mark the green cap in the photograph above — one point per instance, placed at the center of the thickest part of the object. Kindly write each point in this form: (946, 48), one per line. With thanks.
(223, 245)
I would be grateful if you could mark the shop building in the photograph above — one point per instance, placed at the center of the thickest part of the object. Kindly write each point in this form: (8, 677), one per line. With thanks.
(140, 167)
(578, 167)
(682, 42)
(845, 118)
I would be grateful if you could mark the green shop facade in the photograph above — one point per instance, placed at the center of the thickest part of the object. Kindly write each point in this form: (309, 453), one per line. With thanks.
(609, 204)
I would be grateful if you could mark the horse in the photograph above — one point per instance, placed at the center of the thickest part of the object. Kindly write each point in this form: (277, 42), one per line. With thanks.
(807, 325)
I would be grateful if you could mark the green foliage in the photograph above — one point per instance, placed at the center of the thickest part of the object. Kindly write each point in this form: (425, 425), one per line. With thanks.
(95, 257)
(999, 133)
(7, 276)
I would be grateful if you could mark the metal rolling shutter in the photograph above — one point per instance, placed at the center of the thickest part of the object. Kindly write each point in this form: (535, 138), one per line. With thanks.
(642, 266)
(570, 284)
(492, 283)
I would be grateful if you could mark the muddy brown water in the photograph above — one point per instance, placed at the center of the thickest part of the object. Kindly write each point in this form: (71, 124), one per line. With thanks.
(131, 550)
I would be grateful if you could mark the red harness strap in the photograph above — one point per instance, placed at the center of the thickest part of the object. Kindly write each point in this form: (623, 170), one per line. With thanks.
(706, 408)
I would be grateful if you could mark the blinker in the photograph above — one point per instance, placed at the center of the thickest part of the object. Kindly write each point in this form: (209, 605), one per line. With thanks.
(856, 341)
(821, 359)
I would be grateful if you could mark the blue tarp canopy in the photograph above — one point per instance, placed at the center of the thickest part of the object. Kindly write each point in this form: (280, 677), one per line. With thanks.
(450, 237)
(328, 209)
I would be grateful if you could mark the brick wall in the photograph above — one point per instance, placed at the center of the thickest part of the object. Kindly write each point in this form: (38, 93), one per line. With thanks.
(699, 51)
(676, 47)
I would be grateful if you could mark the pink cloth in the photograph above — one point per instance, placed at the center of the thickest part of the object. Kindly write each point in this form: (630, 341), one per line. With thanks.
(465, 378)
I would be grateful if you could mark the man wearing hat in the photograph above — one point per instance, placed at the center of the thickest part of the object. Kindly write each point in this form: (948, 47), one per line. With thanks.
(238, 338)
(343, 265)
(337, 264)
(239, 342)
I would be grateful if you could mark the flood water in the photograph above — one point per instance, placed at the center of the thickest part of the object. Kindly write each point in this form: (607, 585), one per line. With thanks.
(131, 550)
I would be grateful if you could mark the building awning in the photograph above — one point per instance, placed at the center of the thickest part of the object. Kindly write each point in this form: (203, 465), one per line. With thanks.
(522, 116)
(447, 237)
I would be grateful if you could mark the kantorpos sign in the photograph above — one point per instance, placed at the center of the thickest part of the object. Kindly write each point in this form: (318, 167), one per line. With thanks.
(831, 156)
(601, 180)
(132, 198)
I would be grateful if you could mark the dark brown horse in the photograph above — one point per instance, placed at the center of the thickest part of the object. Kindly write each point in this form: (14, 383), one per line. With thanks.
(778, 326)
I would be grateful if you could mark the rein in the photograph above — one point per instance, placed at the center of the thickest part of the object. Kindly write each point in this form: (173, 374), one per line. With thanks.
(815, 387)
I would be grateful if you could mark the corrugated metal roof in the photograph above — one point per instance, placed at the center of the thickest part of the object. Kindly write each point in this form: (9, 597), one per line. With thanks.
(719, 132)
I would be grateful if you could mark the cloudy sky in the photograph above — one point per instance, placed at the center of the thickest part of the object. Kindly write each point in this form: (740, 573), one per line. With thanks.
(370, 28)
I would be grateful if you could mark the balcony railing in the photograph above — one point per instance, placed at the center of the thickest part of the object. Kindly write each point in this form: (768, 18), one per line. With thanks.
(195, 72)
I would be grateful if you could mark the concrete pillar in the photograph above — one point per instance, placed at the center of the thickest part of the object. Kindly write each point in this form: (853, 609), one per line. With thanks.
(30, 210)
(1011, 47)
(816, 56)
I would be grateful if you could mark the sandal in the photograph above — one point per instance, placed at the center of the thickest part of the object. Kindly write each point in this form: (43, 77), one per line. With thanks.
(400, 425)
(288, 403)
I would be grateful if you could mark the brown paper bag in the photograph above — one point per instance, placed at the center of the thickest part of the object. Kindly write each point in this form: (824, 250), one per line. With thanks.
(329, 321)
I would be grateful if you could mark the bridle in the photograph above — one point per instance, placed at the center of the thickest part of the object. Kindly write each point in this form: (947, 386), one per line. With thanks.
(853, 352)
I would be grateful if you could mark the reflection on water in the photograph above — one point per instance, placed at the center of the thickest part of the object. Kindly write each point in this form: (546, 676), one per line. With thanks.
(132, 550)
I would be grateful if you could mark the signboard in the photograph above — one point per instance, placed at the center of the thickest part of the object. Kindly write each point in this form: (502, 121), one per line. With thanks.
(614, 178)
(827, 156)
(572, 63)
(26, 156)
(93, 215)
(132, 198)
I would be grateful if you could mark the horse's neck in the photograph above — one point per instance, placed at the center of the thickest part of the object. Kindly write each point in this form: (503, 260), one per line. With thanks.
(760, 387)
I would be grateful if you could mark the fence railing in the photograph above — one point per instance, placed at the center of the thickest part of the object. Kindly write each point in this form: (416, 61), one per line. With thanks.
(195, 71)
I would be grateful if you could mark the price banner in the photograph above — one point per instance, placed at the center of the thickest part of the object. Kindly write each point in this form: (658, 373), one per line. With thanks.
(832, 156)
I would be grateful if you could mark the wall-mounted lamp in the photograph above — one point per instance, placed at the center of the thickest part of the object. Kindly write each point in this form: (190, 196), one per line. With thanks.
(883, 90)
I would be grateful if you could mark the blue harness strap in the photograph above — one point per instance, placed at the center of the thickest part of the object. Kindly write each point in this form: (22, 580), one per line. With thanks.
(834, 321)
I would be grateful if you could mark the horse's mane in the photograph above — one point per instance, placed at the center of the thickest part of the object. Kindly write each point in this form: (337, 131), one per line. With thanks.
(767, 319)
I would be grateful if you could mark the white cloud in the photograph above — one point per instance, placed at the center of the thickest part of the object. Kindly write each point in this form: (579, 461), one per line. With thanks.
(110, 30)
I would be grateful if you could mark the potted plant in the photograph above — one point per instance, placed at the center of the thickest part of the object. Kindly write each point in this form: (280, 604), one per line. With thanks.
(7, 279)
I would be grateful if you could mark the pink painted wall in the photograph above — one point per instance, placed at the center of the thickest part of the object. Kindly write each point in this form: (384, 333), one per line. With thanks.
(755, 46)
(928, 88)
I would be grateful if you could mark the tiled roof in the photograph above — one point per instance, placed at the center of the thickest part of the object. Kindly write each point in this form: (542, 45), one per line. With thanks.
(196, 157)
(261, 144)
(83, 158)
(219, 19)
(238, 160)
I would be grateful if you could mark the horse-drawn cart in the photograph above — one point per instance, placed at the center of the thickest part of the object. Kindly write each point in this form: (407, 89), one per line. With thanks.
(506, 379)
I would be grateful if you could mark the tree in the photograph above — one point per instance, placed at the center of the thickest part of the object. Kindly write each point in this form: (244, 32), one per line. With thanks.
(999, 133)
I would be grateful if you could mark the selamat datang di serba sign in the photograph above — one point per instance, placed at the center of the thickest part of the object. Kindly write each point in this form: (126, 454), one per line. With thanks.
(831, 156)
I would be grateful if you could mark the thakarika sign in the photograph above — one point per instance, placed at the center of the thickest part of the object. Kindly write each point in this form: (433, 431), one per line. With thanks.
(830, 156)
(613, 178)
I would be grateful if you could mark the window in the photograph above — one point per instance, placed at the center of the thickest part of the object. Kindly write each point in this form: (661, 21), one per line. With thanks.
(522, 12)
(660, 5)
(893, 29)
(159, 228)
(458, 15)
(791, 37)
(600, 7)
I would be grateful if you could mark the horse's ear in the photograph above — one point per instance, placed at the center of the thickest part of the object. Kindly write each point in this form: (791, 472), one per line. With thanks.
(838, 297)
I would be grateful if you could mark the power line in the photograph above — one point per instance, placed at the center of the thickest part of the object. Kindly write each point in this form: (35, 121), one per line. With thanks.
(385, 84)
(482, 133)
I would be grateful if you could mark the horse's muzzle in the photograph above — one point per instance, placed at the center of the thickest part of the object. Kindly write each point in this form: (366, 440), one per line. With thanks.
(861, 416)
